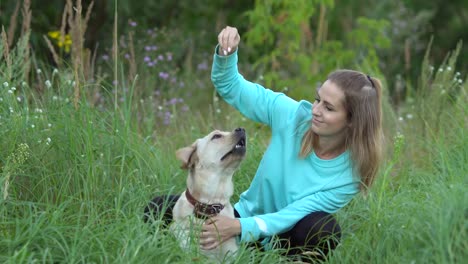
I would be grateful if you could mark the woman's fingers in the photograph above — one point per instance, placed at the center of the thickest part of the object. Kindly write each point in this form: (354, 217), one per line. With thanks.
(228, 39)
(208, 240)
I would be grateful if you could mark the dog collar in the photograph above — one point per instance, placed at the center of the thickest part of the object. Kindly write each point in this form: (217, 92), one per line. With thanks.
(203, 210)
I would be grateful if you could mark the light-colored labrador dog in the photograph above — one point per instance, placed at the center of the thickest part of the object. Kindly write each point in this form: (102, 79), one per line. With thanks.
(211, 162)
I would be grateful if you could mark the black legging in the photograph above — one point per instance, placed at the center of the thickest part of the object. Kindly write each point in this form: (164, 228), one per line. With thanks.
(316, 232)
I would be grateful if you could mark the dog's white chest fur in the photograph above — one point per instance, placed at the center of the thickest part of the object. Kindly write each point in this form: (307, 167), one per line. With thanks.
(186, 228)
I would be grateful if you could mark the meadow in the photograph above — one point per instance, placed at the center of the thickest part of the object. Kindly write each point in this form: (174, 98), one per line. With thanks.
(88, 140)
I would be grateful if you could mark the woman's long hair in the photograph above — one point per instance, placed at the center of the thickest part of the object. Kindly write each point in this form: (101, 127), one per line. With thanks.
(364, 137)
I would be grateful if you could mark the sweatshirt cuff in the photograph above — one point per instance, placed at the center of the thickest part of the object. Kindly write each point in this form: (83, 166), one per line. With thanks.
(228, 60)
(249, 229)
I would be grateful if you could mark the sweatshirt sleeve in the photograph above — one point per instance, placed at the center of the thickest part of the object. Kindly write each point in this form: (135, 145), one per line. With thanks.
(251, 99)
(256, 227)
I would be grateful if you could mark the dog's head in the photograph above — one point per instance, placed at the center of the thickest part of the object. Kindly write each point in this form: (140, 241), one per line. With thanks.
(216, 152)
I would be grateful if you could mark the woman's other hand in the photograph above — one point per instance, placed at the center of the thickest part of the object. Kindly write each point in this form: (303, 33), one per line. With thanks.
(228, 40)
(217, 230)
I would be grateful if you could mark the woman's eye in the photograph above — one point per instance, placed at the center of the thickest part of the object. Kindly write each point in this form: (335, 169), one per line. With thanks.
(216, 136)
(317, 100)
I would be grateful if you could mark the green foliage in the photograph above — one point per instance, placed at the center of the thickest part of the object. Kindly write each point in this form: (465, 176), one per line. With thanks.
(291, 56)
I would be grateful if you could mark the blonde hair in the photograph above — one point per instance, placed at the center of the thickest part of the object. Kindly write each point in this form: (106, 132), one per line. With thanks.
(364, 137)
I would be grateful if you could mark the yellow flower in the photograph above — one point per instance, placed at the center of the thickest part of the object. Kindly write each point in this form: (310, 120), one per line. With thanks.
(66, 43)
(54, 34)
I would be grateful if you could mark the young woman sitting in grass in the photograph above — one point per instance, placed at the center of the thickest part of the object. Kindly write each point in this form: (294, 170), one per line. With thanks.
(320, 156)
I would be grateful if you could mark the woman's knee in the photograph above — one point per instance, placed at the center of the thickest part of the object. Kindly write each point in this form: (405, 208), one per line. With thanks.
(318, 230)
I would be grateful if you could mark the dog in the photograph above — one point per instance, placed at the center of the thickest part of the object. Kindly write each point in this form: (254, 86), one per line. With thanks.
(211, 162)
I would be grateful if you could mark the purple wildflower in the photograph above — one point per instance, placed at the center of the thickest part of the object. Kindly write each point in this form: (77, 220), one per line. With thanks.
(202, 66)
(147, 48)
(146, 59)
(173, 101)
(169, 56)
(105, 57)
(164, 75)
(161, 57)
(132, 23)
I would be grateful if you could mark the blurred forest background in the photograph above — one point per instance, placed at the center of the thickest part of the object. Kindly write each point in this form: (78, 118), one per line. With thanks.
(287, 45)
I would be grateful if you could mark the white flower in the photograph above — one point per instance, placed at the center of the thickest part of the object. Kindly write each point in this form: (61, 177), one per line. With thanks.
(23, 83)
(449, 68)
(1, 99)
(48, 140)
(218, 110)
(54, 98)
(457, 74)
(460, 81)
(160, 108)
(49, 125)
(5, 84)
(441, 70)
(400, 118)
(33, 126)
(38, 71)
(10, 91)
(409, 116)
(48, 84)
(18, 99)
(13, 88)
(55, 71)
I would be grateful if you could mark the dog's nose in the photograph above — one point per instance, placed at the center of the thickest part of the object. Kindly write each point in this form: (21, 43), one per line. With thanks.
(239, 129)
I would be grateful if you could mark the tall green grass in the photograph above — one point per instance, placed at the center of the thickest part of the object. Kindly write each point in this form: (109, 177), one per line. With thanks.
(74, 178)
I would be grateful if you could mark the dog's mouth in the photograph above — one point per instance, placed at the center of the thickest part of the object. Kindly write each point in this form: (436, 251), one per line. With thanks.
(238, 149)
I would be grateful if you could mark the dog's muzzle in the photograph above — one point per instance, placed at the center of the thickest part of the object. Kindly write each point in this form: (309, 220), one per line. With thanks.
(241, 146)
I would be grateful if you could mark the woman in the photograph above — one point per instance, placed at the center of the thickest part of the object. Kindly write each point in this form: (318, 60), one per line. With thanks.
(320, 155)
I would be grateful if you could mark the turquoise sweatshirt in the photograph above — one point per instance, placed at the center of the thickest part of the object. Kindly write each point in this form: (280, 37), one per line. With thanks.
(286, 187)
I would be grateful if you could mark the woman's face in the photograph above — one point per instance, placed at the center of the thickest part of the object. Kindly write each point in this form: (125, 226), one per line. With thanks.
(329, 113)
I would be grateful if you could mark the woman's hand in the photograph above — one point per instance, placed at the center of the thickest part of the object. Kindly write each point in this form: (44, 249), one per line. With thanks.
(228, 40)
(217, 230)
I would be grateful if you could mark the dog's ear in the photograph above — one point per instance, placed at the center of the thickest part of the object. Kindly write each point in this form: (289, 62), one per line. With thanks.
(186, 155)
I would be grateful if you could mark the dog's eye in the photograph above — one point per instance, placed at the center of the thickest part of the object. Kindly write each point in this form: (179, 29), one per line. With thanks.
(216, 136)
